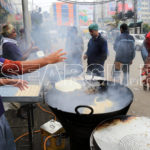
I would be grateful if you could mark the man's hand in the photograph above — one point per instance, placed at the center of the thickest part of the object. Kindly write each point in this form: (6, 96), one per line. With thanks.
(85, 57)
(21, 84)
(34, 49)
(56, 57)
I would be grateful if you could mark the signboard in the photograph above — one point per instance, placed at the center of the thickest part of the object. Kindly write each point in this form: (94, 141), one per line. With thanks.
(112, 7)
(85, 15)
(65, 14)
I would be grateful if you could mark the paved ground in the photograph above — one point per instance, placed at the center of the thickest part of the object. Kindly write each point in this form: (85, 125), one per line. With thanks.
(140, 106)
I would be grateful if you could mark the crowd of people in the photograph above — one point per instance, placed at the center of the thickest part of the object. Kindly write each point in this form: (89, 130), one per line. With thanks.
(96, 55)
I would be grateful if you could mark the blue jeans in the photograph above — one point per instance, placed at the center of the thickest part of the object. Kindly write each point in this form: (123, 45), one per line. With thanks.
(125, 69)
(6, 136)
(144, 53)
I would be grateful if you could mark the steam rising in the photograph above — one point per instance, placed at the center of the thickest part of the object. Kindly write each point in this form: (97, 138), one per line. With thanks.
(50, 37)
(118, 95)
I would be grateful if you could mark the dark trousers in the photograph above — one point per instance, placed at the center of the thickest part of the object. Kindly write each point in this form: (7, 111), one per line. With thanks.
(96, 69)
(125, 69)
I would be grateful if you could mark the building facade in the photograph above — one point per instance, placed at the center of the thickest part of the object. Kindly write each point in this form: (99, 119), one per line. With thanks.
(143, 10)
(106, 11)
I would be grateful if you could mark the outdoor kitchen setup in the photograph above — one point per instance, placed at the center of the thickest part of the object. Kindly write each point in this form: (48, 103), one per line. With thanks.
(74, 74)
(89, 103)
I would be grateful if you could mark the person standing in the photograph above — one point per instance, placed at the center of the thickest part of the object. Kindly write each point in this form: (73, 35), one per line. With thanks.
(97, 52)
(74, 46)
(124, 47)
(144, 52)
(146, 68)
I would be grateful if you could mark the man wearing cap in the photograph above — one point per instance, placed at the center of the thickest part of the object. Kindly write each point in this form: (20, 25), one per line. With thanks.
(97, 52)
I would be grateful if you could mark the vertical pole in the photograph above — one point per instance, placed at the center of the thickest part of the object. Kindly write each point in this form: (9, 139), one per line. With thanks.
(102, 12)
(26, 21)
(116, 6)
(94, 13)
(116, 12)
(123, 9)
(77, 14)
(135, 15)
(32, 5)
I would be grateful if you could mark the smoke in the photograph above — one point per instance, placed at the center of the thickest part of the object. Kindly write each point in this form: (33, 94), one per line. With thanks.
(119, 96)
(50, 37)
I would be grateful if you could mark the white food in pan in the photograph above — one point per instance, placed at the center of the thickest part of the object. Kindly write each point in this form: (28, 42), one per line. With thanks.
(67, 86)
(99, 107)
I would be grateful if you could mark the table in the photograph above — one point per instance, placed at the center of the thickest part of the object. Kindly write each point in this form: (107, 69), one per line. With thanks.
(8, 94)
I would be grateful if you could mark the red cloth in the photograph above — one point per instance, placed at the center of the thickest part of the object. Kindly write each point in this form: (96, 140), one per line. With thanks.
(148, 36)
(146, 72)
(12, 67)
(148, 42)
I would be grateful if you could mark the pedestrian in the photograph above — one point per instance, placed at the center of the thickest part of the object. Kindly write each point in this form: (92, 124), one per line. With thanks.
(146, 68)
(124, 47)
(97, 52)
(144, 52)
(74, 48)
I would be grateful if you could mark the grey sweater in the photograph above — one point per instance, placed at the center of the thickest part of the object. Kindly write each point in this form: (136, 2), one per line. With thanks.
(125, 48)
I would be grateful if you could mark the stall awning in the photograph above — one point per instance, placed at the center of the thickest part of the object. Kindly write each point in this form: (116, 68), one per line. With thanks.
(138, 24)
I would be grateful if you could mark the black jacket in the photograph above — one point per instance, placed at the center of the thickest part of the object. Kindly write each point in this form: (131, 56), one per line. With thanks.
(125, 48)
(97, 50)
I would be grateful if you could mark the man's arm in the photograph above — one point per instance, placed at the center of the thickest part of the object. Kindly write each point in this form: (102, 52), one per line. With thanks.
(116, 44)
(105, 46)
(29, 51)
(21, 67)
(85, 54)
(134, 49)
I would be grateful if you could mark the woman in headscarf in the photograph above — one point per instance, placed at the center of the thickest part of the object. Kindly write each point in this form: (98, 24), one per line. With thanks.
(10, 48)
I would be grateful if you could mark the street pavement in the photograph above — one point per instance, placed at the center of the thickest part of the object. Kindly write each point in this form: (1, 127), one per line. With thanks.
(141, 103)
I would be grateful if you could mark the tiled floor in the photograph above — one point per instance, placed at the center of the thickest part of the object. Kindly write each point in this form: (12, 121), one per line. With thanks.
(19, 127)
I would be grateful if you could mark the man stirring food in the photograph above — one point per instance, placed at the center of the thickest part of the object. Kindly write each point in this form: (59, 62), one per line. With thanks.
(97, 52)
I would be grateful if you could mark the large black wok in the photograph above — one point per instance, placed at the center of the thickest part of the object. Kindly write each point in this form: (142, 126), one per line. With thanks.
(67, 107)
